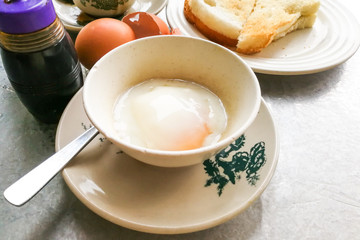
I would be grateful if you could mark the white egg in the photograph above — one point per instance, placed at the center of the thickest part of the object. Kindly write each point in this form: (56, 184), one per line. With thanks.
(169, 114)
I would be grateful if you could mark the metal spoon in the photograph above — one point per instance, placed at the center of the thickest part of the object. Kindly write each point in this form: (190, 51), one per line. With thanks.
(26, 187)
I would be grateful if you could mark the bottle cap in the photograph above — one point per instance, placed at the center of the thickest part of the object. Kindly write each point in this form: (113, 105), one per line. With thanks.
(25, 16)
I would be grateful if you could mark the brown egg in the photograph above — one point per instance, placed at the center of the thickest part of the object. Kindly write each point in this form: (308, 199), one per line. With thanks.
(99, 37)
(146, 24)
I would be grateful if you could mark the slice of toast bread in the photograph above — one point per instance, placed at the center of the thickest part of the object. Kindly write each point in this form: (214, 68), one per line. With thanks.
(249, 25)
(273, 19)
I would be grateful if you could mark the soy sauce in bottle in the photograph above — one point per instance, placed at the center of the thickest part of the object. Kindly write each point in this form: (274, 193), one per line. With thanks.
(39, 57)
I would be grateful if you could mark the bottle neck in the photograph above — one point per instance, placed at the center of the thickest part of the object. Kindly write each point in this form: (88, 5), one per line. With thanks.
(33, 42)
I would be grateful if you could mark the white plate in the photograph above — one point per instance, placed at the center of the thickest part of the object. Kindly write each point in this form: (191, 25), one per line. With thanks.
(152, 199)
(74, 19)
(332, 40)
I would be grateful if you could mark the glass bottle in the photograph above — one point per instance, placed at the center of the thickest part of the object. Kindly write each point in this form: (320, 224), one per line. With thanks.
(39, 57)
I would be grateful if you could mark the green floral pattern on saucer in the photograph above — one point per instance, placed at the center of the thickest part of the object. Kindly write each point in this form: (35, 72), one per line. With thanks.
(221, 170)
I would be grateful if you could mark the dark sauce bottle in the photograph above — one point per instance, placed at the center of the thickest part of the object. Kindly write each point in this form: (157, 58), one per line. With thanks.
(39, 57)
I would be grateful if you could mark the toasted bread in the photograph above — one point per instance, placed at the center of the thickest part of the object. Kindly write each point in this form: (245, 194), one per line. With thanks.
(273, 19)
(249, 25)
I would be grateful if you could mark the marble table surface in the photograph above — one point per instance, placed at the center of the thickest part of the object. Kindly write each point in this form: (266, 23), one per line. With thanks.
(314, 193)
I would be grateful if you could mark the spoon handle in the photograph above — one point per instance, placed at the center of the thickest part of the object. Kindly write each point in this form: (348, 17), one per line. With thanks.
(26, 187)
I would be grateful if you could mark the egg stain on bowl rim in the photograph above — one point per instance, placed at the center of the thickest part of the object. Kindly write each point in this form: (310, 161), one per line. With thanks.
(169, 115)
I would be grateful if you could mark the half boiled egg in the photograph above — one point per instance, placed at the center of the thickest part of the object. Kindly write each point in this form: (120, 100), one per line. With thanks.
(170, 115)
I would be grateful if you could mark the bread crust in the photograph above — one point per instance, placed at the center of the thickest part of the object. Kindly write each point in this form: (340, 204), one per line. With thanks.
(204, 29)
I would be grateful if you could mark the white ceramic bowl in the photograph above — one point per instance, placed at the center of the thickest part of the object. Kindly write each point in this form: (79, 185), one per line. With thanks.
(180, 57)
(104, 8)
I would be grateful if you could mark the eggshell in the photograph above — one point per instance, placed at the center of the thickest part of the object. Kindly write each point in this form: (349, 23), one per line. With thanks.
(162, 25)
(99, 37)
(145, 24)
(175, 31)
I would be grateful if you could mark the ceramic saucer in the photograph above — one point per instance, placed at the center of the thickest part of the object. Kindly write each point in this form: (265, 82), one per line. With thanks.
(74, 19)
(159, 200)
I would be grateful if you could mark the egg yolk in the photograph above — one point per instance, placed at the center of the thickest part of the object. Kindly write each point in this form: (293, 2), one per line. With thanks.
(172, 119)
